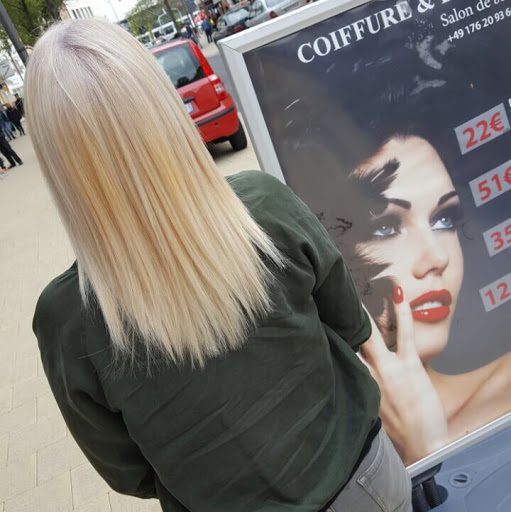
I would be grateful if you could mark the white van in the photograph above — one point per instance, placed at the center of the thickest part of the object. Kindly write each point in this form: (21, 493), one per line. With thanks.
(264, 10)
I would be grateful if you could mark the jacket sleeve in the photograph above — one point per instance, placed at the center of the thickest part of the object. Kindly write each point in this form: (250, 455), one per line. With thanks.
(335, 294)
(306, 241)
(99, 431)
(339, 305)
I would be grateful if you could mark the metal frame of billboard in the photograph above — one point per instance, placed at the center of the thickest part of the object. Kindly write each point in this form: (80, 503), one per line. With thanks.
(232, 50)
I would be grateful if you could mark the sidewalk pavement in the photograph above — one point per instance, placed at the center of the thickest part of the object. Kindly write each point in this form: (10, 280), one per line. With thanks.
(208, 49)
(41, 467)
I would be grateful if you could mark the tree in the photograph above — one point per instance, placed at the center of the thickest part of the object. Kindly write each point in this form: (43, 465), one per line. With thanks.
(5, 44)
(144, 16)
(5, 47)
(32, 17)
(53, 7)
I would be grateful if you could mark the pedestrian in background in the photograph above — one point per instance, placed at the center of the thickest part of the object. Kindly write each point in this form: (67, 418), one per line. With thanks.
(6, 127)
(191, 34)
(15, 119)
(206, 26)
(202, 347)
(9, 153)
(19, 105)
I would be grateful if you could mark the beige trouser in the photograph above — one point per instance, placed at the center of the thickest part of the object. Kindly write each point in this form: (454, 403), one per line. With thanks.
(380, 484)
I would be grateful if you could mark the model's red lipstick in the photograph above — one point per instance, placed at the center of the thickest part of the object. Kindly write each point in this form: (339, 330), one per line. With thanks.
(432, 306)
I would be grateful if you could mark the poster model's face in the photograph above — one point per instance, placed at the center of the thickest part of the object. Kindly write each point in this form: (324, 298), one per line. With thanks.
(416, 239)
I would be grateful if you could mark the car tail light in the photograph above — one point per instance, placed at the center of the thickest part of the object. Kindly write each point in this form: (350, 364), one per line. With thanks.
(202, 60)
(273, 14)
(215, 81)
(219, 86)
(237, 28)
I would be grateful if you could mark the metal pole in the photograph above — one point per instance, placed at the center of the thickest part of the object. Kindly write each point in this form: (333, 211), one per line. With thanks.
(113, 9)
(12, 33)
(187, 11)
(15, 65)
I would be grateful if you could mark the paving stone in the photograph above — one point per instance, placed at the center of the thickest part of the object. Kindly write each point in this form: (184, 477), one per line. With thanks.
(8, 335)
(25, 368)
(35, 437)
(26, 342)
(122, 503)
(7, 369)
(53, 496)
(17, 478)
(4, 447)
(99, 504)
(18, 418)
(5, 400)
(29, 389)
(58, 458)
(47, 407)
(86, 484)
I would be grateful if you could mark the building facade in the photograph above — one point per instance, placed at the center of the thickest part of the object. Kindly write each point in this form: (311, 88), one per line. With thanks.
(111, 10)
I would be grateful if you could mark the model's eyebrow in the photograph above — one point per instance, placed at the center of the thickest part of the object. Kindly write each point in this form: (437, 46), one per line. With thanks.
(446, 197)
(407, 205)
(400, 202)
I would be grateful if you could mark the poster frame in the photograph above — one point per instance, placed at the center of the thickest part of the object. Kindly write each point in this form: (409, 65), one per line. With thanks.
(232, 50)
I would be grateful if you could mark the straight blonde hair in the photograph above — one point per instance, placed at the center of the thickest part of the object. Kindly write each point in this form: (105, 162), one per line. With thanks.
(171, 254)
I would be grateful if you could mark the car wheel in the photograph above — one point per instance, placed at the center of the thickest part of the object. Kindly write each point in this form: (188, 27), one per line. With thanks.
(239, 139)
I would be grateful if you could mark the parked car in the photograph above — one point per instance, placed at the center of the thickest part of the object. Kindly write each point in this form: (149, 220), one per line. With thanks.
(264, 10)
(204, 94)
(167, 31)
(231, 22)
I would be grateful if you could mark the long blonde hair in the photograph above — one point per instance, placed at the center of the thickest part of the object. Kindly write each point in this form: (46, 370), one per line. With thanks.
(170, 252)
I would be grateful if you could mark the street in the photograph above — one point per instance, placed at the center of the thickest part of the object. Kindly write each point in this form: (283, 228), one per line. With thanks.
(228, 161)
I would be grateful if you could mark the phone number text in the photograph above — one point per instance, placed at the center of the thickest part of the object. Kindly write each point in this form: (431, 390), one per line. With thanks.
(481, 24)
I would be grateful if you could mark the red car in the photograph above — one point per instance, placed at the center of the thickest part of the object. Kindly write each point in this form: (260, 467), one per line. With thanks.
(204, 94)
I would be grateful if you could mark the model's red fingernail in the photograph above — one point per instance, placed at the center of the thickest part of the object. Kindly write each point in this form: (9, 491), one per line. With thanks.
(398, 294)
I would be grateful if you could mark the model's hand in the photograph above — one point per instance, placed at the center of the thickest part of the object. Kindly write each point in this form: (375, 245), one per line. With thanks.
(411, 411)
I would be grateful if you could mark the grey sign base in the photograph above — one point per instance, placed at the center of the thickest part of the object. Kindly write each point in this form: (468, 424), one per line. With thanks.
(478, 479)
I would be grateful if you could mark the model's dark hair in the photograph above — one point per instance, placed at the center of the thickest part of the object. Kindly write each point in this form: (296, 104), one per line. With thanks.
(371, 104)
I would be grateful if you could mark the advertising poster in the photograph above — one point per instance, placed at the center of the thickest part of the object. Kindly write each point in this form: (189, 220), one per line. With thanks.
(392, 122)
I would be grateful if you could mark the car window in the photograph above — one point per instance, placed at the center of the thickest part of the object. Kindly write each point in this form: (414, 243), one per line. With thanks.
(236, 16)
(180, 65)
(273, 3)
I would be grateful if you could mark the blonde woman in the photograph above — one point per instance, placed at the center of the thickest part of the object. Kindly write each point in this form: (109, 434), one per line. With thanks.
(202, 346)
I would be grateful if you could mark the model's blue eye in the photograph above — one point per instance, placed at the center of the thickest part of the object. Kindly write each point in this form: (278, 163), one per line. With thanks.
(385, 227)
(447, 219)
(444, 222)
(385, 231)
